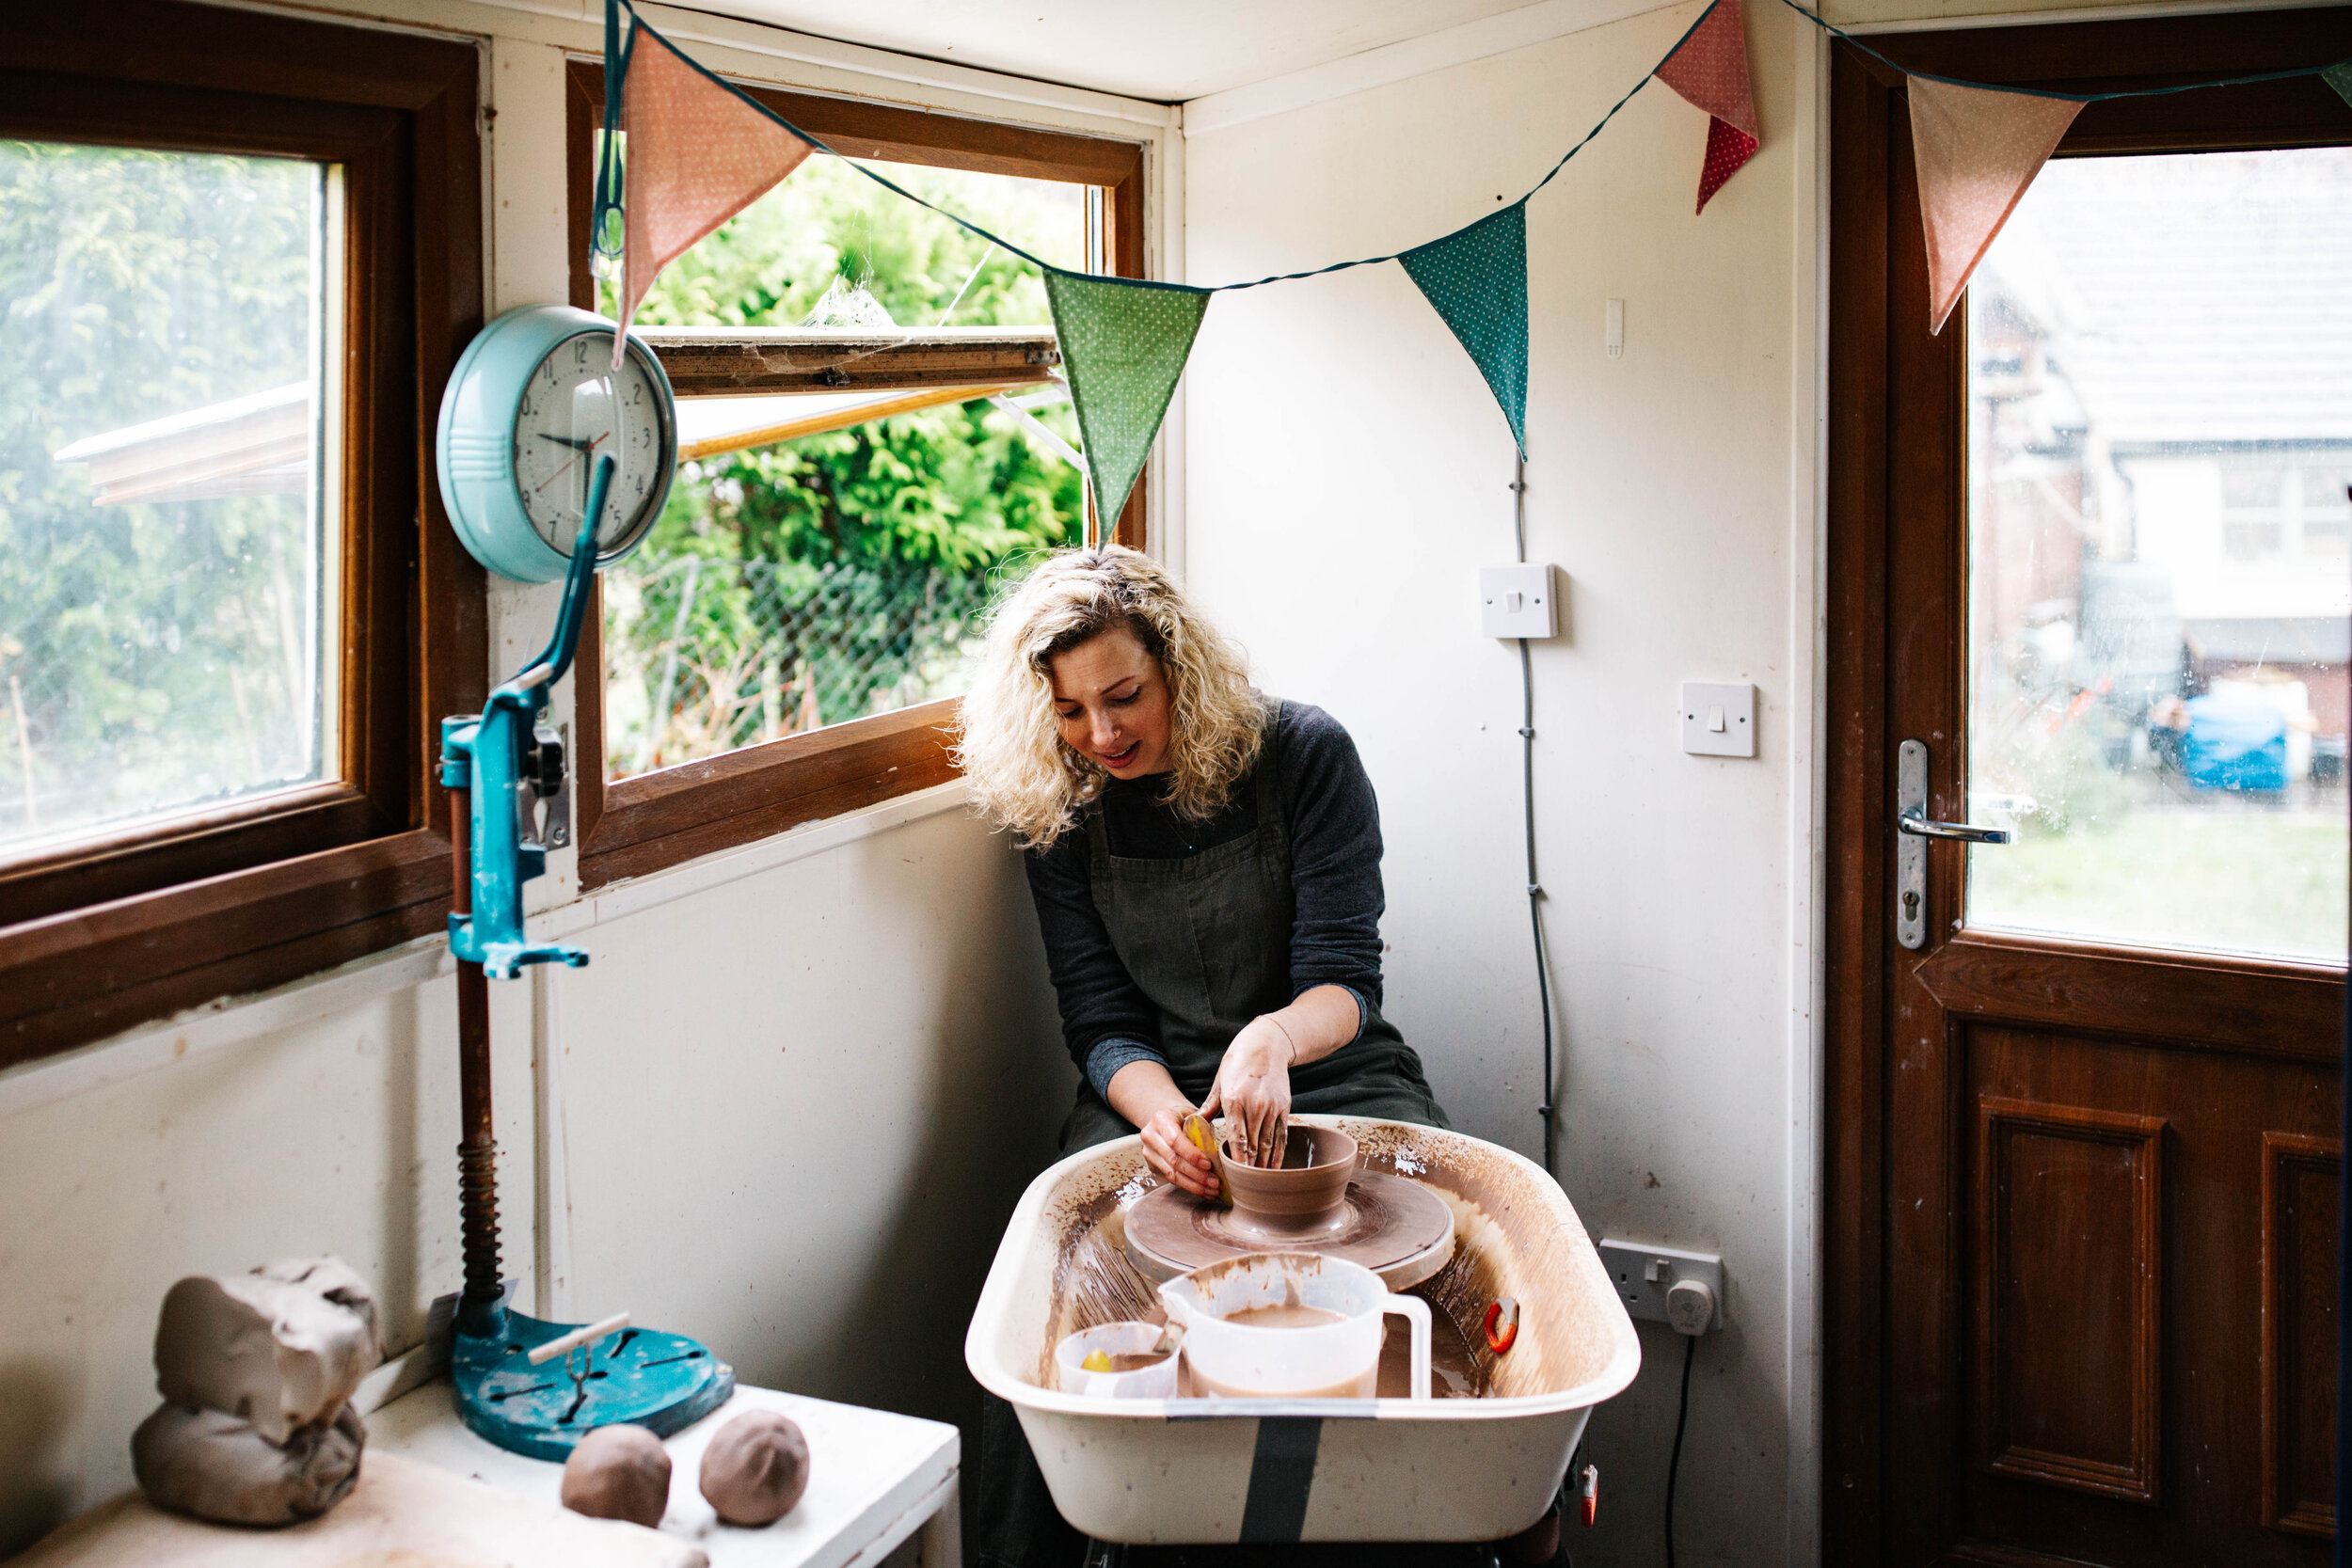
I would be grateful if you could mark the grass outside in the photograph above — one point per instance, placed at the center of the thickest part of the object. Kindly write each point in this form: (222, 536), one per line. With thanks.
(2226, 878)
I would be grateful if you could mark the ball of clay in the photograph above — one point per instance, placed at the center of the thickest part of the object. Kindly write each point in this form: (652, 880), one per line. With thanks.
(219, 1466)
(756, 1469)
(618, 1472)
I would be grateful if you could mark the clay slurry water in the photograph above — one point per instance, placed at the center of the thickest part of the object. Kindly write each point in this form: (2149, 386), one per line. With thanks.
(1287, 1315)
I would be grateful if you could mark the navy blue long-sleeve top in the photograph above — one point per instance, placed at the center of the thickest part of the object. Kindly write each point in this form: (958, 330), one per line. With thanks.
(1334, 824)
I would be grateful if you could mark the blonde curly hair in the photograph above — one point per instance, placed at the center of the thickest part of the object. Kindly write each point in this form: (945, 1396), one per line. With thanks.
(1023, 775)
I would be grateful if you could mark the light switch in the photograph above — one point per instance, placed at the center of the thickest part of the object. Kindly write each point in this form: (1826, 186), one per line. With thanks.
(1516, 601)
(1718, 720)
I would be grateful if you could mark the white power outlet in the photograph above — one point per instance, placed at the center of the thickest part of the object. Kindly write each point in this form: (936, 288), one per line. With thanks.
(1643, 1277)
(1516, 601)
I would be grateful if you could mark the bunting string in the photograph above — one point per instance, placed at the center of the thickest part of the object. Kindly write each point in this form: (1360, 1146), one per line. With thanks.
(702, 149)
(608, 196)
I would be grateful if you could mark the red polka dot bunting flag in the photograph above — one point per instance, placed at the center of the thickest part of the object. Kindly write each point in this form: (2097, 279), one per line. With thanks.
(1709, 69)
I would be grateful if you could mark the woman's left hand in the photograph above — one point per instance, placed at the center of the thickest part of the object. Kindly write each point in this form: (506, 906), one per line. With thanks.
(1253, 1089)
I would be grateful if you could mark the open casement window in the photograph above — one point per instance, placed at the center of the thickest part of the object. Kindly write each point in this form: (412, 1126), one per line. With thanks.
(238, 254)
(789, 643)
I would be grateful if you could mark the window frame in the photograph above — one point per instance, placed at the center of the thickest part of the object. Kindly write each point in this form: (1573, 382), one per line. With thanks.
(632, 827)
(115, 933)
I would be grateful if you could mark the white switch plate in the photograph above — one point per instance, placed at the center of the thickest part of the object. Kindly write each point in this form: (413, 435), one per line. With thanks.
(1642, 1275)
(1516, 601)
(1718, 720)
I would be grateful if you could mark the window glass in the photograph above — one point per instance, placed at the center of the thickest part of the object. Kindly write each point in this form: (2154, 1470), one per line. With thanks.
(843, 573)
(2161, 599)
(167, 533)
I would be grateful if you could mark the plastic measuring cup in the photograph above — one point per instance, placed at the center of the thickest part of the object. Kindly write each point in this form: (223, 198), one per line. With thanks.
(1154, 1381)
(1339, 1359)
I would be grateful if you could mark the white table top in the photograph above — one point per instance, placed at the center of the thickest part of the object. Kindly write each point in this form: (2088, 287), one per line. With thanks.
(874, 1476)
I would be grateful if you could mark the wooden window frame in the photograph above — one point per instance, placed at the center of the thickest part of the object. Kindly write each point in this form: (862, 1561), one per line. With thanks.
(632, 827)
(1877, 297)
(105, 936)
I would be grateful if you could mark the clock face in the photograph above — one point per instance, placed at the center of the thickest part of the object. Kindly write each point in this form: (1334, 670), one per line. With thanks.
(574, 409)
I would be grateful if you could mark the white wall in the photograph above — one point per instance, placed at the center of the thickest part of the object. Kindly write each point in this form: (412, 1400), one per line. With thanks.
(786, 1109)
(1347, 474)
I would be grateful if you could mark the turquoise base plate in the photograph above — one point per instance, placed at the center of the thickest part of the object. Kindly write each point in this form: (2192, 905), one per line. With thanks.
(661, 1382)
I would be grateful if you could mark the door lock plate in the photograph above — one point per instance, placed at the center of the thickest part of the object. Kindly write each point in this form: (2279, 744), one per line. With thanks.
(1910, 850)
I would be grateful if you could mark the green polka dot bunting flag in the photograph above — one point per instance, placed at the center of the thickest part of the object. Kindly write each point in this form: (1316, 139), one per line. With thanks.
(1123, 346)
(2339, 77)
(1476, 278)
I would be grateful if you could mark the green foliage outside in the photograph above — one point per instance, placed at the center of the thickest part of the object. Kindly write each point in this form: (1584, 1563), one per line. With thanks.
(2236, 876)
(840, 574)
(152, 654)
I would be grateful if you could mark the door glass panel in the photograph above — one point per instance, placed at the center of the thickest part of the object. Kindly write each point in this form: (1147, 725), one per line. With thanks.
(168, 530)
(2160, 610)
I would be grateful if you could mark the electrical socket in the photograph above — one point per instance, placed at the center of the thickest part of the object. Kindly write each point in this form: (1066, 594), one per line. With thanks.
(1642, 1275)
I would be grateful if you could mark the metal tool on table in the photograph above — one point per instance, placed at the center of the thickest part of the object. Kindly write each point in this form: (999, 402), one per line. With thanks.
(499, 765)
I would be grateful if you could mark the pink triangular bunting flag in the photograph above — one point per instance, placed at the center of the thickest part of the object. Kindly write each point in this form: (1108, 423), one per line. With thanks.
(1976, 151)
(697, 156)
(1710, 68)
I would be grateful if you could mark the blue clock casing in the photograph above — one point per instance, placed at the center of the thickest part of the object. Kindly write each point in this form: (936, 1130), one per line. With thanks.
(482, 448)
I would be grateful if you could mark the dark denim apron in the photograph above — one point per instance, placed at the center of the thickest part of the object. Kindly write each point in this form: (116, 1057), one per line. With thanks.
(1207, 938)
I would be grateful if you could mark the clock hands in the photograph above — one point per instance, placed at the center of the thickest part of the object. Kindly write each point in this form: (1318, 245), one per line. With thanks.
(580, 450)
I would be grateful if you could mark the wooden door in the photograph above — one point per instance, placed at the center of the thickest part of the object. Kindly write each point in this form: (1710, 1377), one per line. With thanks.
(2082, 1208)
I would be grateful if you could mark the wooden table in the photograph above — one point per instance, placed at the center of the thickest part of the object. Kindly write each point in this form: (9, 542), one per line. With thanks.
(875, 1480)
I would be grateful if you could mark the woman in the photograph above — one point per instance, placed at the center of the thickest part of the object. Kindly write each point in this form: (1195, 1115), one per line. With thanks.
(1206, 867)
(1205, 862)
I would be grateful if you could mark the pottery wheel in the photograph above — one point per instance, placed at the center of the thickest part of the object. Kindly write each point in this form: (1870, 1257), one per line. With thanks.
(1397, 1228)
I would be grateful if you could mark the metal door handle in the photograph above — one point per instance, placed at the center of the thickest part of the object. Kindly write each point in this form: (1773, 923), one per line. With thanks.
(1912, 827)
(1966, 832)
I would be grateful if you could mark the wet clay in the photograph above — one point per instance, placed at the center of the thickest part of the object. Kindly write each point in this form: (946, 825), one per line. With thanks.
(618, 1472)
(1454, 1369)
(1135, 1361)
(1397, 1228)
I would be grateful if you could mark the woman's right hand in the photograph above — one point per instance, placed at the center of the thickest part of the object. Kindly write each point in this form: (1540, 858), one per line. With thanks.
(1171, 1155)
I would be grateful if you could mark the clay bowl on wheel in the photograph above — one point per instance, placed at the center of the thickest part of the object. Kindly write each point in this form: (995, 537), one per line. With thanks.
(1308, 1189)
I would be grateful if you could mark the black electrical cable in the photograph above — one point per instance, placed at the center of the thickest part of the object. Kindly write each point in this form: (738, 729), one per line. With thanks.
(1674, 1465)
(1534, 886)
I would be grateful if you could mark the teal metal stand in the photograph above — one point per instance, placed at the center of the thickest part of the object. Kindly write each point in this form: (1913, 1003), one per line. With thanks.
(497, 765)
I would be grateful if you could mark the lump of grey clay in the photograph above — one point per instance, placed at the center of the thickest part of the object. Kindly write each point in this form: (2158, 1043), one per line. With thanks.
(756, 1469)
(335, 1279)
(618, 1472)
(283, 1348)
(218, 1466)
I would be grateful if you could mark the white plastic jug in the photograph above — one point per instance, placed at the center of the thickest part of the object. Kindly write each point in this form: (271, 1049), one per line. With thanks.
(1338, 1359)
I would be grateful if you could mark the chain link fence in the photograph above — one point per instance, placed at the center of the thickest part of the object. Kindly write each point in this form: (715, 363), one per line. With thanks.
(704, 655)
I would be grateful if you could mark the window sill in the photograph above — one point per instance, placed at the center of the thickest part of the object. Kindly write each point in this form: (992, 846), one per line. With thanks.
(223, 1021)
(67, 977)
(661, 819)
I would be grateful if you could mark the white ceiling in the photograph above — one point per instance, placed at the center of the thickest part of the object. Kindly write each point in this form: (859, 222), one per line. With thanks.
(1164, 50)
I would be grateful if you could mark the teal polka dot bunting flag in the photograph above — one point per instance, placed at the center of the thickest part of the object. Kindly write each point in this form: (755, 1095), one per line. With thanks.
(1123, 346)
(1476, 278)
